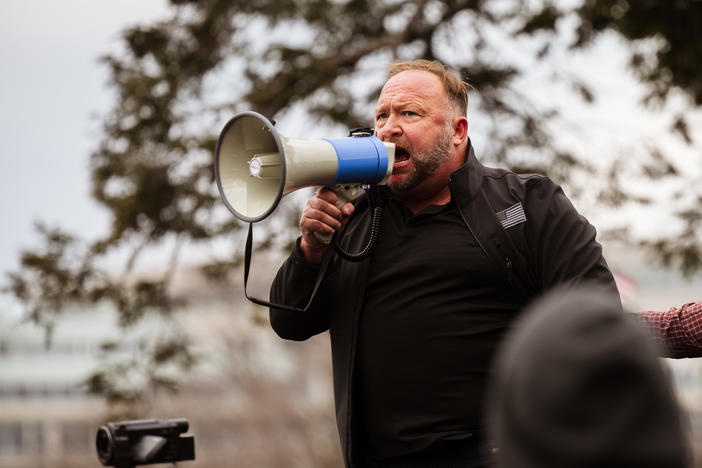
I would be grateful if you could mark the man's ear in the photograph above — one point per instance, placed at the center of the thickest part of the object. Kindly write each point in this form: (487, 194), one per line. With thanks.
(460, 130)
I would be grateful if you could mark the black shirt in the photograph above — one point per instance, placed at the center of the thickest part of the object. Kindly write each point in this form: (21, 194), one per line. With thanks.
(435, 308)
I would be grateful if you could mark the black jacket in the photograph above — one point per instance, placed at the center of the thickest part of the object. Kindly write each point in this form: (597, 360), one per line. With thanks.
(555, 245)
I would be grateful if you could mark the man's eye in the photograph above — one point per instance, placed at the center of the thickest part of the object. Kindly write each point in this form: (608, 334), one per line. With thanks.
(409, 113)
(381, 116)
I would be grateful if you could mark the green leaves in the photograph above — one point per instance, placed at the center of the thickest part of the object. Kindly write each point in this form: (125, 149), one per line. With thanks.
(674, 26)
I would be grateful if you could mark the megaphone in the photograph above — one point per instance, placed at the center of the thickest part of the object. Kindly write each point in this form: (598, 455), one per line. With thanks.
(255, 165)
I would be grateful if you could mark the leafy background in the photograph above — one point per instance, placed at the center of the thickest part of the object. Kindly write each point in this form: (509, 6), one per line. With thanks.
(539, 70)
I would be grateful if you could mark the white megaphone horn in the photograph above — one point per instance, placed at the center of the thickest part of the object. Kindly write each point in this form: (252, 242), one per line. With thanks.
(255, 166)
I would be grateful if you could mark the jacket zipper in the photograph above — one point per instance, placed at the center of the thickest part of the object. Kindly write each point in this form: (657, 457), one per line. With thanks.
(508, 261)
(477, 239)
(508, 267)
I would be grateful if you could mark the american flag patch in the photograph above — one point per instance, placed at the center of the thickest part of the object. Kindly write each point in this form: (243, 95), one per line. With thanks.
(511, 216)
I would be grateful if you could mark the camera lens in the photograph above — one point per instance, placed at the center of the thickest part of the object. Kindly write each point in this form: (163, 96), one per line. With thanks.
(104, 445)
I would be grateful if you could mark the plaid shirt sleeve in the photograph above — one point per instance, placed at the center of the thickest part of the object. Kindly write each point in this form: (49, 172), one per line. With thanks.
(679, 331)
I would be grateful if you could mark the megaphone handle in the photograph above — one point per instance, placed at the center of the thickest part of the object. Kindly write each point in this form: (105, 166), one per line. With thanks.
(345, 193)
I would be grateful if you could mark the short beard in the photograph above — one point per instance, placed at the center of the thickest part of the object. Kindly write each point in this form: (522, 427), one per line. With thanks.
(426, 163)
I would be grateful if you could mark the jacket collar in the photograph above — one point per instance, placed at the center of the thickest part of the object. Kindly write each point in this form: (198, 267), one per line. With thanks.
(467, 180)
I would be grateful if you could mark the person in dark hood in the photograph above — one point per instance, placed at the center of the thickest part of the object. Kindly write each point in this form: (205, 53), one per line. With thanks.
(579, 384)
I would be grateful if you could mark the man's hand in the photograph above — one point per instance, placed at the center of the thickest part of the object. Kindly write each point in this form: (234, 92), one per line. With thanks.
(321, 215)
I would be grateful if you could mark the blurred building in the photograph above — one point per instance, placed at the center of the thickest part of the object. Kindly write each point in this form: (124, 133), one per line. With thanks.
(43, 410)
(253, 400)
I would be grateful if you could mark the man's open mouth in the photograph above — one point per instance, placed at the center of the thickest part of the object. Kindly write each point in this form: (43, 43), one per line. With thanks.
(401, 155)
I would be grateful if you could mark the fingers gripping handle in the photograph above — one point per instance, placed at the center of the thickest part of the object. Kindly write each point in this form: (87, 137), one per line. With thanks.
(345, 193)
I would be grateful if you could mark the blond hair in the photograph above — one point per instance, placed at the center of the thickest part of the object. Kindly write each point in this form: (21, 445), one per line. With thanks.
(456, 89)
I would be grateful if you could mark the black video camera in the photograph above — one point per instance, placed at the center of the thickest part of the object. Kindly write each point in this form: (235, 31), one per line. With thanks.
(125, 444)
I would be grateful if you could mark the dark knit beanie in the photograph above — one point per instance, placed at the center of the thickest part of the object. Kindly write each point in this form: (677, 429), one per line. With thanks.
(578, 383)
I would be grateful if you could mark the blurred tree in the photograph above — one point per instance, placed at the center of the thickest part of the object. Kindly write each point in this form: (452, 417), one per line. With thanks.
(665, 43)
(178, 80)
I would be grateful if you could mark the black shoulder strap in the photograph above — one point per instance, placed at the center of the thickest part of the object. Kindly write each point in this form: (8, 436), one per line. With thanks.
(247, 267)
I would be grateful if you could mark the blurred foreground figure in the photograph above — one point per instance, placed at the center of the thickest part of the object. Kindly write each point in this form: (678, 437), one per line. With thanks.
(579, 384)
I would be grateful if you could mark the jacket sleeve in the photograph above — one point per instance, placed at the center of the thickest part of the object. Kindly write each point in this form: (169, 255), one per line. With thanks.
(566, 251)
(292, 286)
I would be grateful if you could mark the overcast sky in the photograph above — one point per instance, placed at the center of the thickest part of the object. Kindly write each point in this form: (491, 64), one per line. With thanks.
(51, 91)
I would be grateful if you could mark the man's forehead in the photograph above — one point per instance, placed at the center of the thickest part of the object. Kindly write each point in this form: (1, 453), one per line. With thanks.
(410, 86)
(402, 99)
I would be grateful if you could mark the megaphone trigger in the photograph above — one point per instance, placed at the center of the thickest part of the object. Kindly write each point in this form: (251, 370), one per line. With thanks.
(346, 193)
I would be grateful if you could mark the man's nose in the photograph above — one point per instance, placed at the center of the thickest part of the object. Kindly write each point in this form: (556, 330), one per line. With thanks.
(390, 129)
